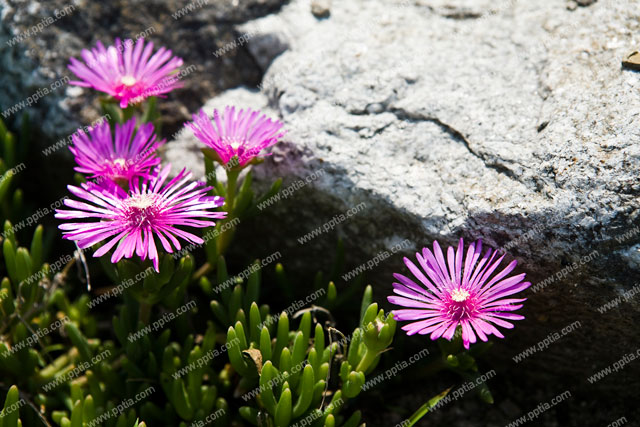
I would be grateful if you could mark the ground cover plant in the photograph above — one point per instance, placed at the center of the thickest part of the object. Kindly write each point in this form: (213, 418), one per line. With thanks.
(173, 336)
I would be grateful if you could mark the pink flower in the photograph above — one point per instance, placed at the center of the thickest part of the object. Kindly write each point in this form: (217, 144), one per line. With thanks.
(130, 154)
(458, 292)
(151, 209)
(126, 71)
(243, 133)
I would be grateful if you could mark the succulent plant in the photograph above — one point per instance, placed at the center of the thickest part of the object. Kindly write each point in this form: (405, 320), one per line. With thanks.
(160, 333)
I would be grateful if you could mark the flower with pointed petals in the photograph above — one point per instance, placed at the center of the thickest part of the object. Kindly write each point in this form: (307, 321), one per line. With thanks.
(126, 71)
(236, 133)
(151, 209)
(128, 155)
(461, 290)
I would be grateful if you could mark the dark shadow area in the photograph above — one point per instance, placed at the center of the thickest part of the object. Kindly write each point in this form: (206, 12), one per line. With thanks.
(574, 294)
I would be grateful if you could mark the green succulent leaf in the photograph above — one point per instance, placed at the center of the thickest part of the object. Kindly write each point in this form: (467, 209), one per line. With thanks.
(266, 386)
(306, 392)
(79, 341)
(283, 409)
(10, 414)
(421, 412)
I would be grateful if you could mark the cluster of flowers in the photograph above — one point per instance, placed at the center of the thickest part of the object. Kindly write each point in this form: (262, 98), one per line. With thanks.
(130, 201)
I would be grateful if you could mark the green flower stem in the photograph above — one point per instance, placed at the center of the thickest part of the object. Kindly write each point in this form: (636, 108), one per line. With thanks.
(232, 184)
(367, 360)
(422, 411)
(128, 113)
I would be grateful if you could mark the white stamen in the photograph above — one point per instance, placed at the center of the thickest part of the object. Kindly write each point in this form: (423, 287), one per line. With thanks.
(142, 201)
(128, 80)
(120, 162)
(235, 143)
(459, 295)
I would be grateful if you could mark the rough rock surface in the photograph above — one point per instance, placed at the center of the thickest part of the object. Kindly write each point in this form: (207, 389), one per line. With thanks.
(38, 37)
(510, 121)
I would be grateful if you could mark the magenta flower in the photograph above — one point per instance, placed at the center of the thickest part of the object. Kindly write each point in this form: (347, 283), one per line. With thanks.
(126, 71)
(122, 158)
(243, 133)
(133, 220)
(458, 292)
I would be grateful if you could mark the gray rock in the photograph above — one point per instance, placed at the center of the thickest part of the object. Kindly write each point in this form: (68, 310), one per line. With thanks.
(511, 122)
(273, 34)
